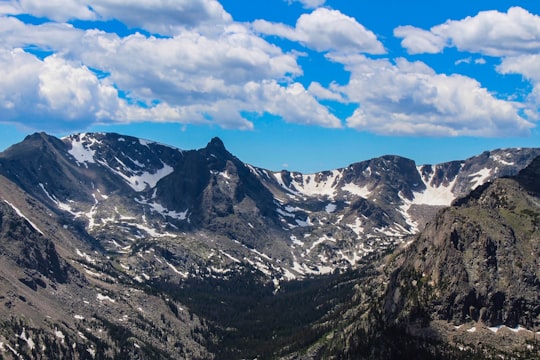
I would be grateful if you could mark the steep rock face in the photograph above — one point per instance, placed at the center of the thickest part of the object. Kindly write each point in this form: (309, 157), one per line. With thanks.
(218, 192)
(211, 183)
(476, 261)
(22, 242)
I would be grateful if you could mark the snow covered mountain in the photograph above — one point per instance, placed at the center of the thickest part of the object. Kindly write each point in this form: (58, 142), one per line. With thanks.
(205, 212)
(125, 223)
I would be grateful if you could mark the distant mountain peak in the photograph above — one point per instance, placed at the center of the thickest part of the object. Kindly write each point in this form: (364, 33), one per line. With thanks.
(216, 144)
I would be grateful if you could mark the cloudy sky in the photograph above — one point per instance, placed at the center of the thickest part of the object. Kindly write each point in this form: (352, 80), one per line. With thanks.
(307, 85)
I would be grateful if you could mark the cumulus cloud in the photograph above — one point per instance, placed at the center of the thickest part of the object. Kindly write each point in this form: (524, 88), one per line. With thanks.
(53, 92)
(57, 10)
(418, 41)
(490, 33)
(529, 67)
(201, 67)
(293, 103)
(191, 77)
(186, 68)
(161, 16)
(158, 16)
(309, 4)
(409, 98)
(326, 30)
(322, 93)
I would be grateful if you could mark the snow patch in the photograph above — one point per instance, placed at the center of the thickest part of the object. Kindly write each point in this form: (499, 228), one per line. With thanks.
(321, 240)
(60, 335)
(330, 208)
(87, 257)
(160, 209)
(358, 190)
(59, 204)
(295, 241)
(183, 274)
(303, 223)
(101, 297)
(441, 195)
(28, 339)
(320, 184)
(357, 227)
(230, 257)
(19, 212)
(500, 160)
(480, 177)
(81, 153)
(140, 180)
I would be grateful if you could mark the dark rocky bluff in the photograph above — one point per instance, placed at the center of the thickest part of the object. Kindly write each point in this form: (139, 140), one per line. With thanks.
(219, 193)
(475, 265)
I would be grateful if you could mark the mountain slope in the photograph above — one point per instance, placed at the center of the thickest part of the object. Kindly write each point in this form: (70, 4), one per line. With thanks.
(132, 249)
(467, 287)
(480, 257)
(127, 193)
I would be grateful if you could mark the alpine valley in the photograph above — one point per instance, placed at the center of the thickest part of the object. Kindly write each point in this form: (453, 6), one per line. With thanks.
(115, 247)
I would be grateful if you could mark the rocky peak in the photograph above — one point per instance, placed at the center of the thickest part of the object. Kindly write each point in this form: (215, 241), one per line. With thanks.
(216, 148)
(477, 260)
(529, 177)
(216, 143)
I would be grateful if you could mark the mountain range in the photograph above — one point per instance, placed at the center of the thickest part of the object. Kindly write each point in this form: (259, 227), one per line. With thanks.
(118, 247)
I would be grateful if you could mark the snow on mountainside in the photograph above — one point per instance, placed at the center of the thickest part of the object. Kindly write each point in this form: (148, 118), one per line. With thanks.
(116, 219)
(139, 171)
(162, 210)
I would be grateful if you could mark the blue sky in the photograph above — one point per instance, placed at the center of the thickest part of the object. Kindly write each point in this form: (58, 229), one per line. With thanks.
(306, 85)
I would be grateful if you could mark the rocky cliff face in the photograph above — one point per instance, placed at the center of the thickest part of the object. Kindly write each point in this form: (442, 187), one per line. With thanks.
(475, 267)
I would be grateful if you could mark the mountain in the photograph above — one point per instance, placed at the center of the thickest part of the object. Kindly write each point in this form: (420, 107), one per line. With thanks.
(194, 252)
(476, 263)
(467, 286)
(128, 193)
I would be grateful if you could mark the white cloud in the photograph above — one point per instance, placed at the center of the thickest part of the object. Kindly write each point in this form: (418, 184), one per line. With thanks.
(326, 30)
(189, 67)
(529, 67)
(323, 93)
(158, 16)
(192, 77)
(161, 16)
(409, 98)
(309, 4)
(294, 104)
(48, 36)
(57, 10)
(418, 41)
(210, 70)
(480, 61)
(466, 60)
(513, 35)
(66, 95)
(469, 60)
(490, 33)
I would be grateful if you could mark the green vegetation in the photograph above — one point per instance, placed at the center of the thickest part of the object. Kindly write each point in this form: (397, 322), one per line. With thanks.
(251, 321)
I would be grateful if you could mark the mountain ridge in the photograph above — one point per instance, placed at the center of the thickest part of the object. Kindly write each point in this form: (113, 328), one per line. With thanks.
(162, 244)
(302, 223)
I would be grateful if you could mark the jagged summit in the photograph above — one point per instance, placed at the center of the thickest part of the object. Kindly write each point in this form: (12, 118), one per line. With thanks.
(216, 144)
